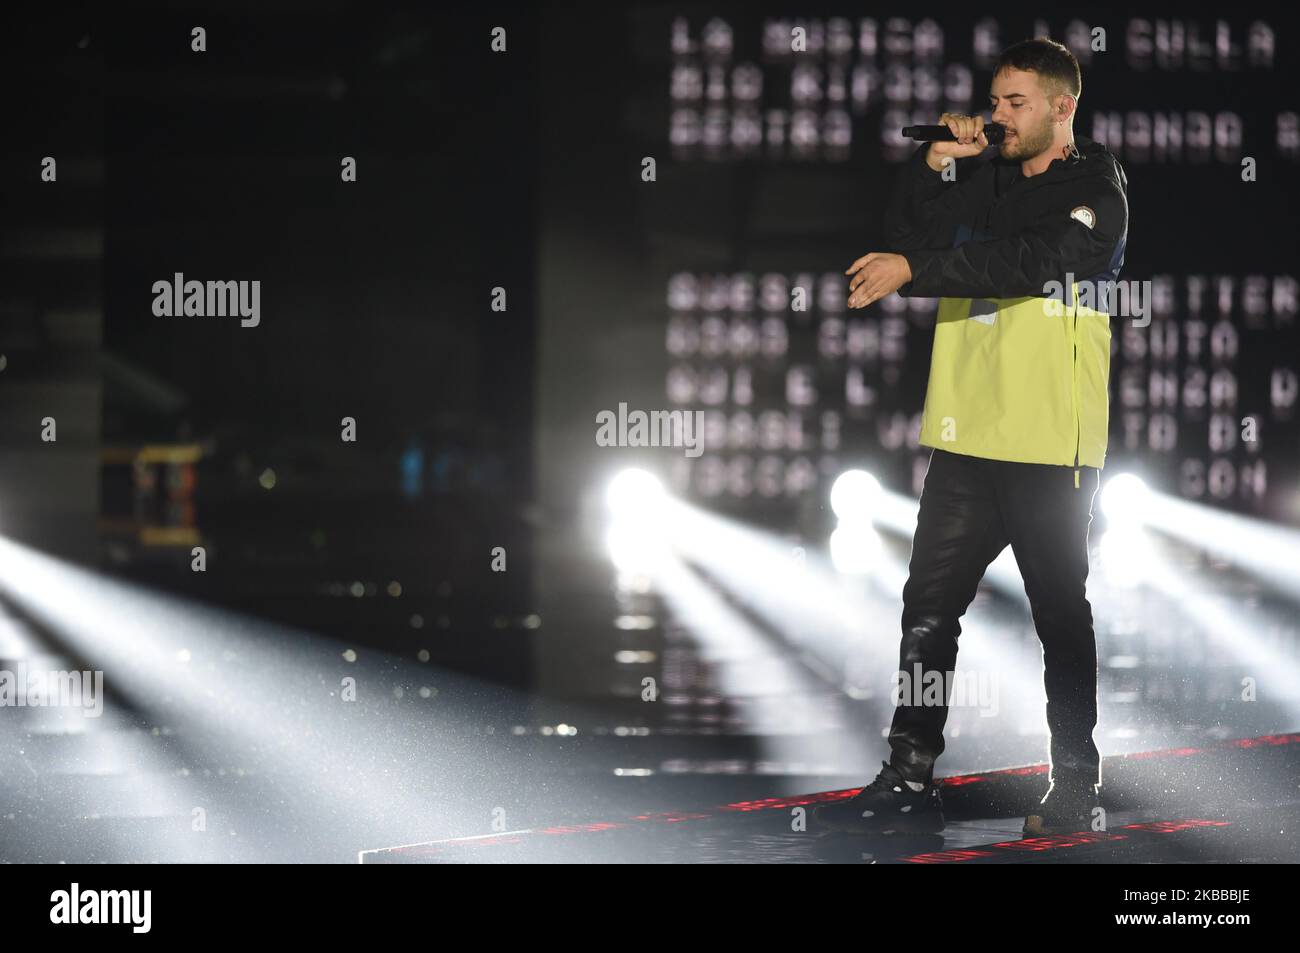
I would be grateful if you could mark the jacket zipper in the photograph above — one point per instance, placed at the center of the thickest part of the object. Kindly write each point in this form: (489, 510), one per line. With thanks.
(1074, 386)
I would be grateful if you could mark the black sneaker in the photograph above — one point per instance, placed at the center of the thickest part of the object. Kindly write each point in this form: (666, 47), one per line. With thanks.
(884, 806)
(1066, 808)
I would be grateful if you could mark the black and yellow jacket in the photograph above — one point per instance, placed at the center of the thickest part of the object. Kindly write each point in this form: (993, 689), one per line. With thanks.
(1017, 373)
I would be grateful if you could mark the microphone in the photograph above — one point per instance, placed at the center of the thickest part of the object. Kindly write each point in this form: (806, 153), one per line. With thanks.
(994, 132)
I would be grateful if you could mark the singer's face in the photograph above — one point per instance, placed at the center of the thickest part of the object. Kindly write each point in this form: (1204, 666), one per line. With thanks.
(1020, 103)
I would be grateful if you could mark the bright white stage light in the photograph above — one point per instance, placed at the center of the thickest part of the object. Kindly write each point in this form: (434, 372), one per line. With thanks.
(641, 522)
(855, 549)
(1127, 557)
(636, 548)
(633, 493)
(855, 495)
(1124, 499)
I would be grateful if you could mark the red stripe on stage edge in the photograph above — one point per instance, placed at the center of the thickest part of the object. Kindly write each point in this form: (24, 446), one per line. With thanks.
(1036, 845)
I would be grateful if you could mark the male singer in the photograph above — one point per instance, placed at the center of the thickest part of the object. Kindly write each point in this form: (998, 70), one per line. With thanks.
(1015, 411)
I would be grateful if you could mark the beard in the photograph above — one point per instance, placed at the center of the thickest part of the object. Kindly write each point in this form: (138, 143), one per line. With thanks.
(1027, 143)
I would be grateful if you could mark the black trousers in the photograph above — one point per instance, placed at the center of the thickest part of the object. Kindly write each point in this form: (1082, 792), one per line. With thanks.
(971, 508)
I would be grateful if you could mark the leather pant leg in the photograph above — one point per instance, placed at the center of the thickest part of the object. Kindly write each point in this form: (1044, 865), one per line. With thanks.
(959, 531)
(1048, 519)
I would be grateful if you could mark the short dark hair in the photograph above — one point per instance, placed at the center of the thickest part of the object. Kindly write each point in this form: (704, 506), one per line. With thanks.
(1051, 60)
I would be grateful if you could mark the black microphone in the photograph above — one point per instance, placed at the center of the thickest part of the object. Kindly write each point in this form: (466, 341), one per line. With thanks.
(994, 132)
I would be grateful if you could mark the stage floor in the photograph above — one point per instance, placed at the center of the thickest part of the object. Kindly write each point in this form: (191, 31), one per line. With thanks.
(1161, 808)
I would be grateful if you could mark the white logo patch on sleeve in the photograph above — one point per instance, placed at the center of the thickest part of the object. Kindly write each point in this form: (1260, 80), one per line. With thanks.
(1085, 215)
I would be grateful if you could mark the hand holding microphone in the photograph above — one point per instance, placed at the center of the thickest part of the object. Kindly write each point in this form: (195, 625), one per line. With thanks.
(875, 275)
(970, 137)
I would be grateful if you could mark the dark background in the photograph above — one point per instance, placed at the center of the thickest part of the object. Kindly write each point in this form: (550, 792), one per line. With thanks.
(226, 165)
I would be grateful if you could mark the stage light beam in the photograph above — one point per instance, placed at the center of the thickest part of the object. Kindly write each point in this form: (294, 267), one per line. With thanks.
(635, 493)
(855, 496)
(1124, 499)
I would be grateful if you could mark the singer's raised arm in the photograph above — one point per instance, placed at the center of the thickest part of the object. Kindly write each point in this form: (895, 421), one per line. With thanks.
(1024, 263)
(925, 205)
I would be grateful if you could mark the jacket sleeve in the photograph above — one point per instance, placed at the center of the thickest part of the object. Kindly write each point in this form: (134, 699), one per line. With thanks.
(1024, 263)
(925, 206)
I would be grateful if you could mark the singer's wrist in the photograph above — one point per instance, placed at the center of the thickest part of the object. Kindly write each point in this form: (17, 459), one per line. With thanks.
(936, 163)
